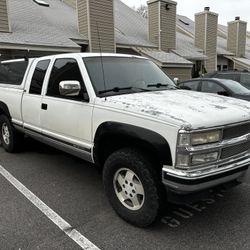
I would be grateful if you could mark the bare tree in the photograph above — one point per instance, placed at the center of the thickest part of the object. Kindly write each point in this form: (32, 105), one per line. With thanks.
(143, 10)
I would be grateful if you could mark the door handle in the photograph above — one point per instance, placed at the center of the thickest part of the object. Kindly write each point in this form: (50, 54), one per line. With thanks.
(44, 106)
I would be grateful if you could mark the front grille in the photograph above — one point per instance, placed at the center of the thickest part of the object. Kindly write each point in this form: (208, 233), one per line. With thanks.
(236, 131)
(234, 150)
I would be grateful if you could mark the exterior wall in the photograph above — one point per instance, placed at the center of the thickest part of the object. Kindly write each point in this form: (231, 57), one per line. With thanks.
(162, 23)
(231, 37)
(206, 24)
(4, 20)
(211, 46)
(200, 24)
(168, 27)
(99, 16)
(82, 13)
(236, 41)
(153, 17)
(182, 73)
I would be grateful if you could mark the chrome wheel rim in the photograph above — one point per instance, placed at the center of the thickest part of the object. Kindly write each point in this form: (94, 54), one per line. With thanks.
(129, 189)
(6, 134)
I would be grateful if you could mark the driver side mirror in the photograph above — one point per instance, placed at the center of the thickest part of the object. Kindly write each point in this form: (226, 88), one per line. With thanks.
(69, 88)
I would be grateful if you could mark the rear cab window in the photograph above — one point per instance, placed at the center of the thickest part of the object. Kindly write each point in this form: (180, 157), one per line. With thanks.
(38, 77)
(13, 72)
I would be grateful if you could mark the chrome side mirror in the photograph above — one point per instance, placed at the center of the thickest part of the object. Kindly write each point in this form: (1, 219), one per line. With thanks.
(69, 88)
(176, 80)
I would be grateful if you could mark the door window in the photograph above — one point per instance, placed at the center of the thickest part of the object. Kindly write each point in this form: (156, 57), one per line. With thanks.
(192, 85)
(211, 87)
(38, 77)
(66, 70)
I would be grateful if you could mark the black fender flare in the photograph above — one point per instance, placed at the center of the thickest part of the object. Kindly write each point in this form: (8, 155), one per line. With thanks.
(157, 141)
(4, 109)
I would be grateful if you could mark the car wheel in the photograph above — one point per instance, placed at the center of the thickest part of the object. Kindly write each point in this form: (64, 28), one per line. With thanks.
(10, 138)
(132, 186)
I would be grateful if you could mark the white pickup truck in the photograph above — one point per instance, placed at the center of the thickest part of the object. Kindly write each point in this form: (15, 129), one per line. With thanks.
(121, 112)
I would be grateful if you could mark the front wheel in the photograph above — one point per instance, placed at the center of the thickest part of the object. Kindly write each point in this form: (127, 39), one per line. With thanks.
(133, 187)
(10, 138)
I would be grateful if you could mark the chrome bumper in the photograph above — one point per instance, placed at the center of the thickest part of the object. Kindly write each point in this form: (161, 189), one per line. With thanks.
(184, 181)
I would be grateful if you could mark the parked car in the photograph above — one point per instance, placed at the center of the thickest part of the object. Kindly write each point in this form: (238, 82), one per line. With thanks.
(217, 86)
(121, 112)
(242, 77)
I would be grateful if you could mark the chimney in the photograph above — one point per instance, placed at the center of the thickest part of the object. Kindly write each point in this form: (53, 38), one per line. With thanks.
(236, 37)
(162, 23)
(206, 28)
(96, 20)
(4, 18)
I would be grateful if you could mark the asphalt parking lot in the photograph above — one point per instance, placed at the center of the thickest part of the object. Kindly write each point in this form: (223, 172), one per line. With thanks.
(73, 189)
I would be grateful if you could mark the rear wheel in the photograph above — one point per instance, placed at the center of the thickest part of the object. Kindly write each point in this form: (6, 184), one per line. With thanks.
(133, 187)
(10, 138)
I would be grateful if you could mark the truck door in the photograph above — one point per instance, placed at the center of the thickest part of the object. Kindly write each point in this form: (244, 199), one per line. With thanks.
(67, 119)
(31, 102)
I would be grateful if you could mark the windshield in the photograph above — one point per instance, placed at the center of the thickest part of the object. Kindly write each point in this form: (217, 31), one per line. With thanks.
(125, 75)
(235, 87)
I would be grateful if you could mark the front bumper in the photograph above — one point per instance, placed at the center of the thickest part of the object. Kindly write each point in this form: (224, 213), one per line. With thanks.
(183, 182)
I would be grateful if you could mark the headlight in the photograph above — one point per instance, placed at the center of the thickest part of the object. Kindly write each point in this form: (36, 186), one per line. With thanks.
(199, 138)
(203, 158)
(205, 137)
(186, 161)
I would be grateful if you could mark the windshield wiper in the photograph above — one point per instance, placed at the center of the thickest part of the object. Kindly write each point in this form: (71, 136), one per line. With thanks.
(115, 89)
(118, 89)
(159, 85)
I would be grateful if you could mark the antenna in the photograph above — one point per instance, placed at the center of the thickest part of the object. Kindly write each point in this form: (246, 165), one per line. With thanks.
(100, 48)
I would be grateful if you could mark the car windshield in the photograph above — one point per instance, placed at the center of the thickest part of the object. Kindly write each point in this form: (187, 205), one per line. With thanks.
(125, 75)
(235, 87)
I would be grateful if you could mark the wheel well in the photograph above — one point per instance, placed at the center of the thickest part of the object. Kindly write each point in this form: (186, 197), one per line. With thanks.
(110, 143)
(4, 109)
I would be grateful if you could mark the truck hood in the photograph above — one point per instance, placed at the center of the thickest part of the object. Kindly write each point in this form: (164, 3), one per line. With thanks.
(182, 108)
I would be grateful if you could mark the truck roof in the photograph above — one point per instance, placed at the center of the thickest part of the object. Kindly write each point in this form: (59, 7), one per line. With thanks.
(74, 54)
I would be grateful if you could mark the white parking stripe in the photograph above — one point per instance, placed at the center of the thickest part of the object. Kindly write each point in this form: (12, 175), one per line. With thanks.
(82, 241)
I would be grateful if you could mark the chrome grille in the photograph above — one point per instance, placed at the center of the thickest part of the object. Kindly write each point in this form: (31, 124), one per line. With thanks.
(234, 150)
(236, 131)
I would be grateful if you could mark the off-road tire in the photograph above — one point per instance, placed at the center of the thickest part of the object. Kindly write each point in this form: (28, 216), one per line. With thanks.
(15, 137)
(142, 166)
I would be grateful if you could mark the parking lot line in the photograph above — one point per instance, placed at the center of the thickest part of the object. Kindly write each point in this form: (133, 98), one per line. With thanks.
(82, 241)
